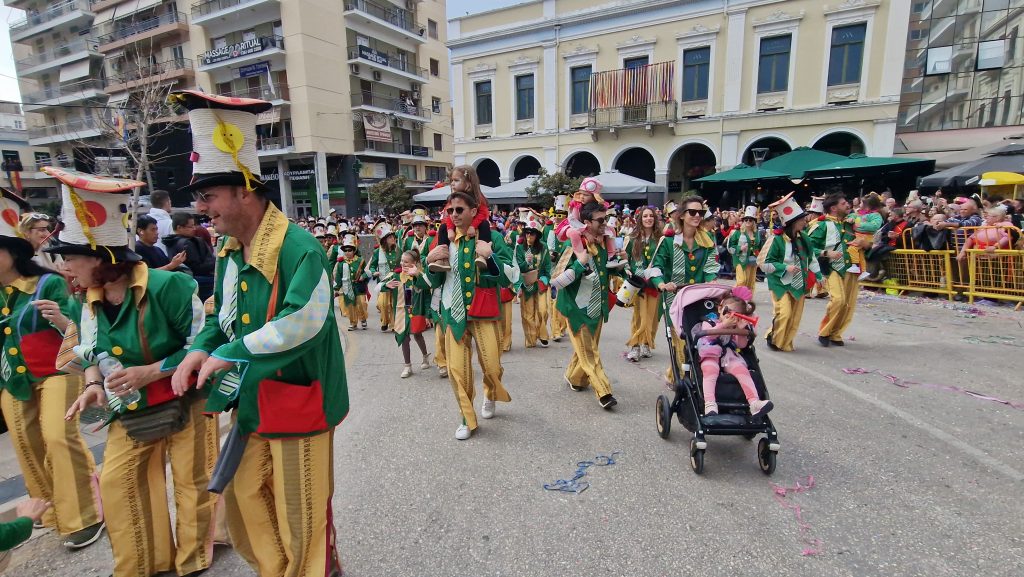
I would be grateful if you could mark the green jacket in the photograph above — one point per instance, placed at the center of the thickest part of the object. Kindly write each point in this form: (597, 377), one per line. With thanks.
(423, 246)
(332, 259)
(536, 259)
(743, 247)
(412, 299)
(382, 266)
(290, 378)
(15, 533)
(24, 327)
(346, 276)
(685, 265)
(780, 253)
(653, 253)
(574, 299)
(832, 234)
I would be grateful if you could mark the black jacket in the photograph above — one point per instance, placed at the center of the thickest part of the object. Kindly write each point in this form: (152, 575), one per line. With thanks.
(198, 254)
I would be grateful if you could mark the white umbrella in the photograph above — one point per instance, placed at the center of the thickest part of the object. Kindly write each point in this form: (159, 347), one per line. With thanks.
(440, 194)
(515, 190)
(615, 182)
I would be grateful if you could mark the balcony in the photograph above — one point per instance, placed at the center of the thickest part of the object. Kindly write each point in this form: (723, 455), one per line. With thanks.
(646, 115)
(160, 72)
(66, 54)
(391, 149)
(276, 93)
(128, 30)
(241, 52)
(221, 16)
(393, 64)
(56, 18)
(375, 20)
(80, 129)
(275, 145)
(64, 94)
(374, 102)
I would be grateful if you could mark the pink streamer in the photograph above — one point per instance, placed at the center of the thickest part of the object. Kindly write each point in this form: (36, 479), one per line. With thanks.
(660, 377)
(813, 545)
(906, 384)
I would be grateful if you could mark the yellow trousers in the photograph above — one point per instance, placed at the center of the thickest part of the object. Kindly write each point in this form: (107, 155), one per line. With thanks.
(440, 359)
(585, 367)
(133, 484)
(460, 366)
(356, 311)
(55, 462)
(788, 312)
(505, 330)
(644, 325)
(279, 506)
(747, 276)
(842, 300)
(534, 325)
(384, 307)
(559, 324)
(680, 352)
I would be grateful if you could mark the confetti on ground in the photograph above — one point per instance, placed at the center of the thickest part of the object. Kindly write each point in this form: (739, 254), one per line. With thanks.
(812, 545)
(906, 384)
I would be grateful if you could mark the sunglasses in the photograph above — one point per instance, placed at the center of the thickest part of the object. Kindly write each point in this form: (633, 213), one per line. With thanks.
(349, 249)
(455, 210)
(693, 212)
(200, 196)
(601, 220)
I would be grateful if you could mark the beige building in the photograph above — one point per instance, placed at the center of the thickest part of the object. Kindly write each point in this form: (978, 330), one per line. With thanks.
(21, 162)
(671, 90)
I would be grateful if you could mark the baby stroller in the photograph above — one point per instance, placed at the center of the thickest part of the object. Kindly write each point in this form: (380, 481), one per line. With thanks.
(691, 306)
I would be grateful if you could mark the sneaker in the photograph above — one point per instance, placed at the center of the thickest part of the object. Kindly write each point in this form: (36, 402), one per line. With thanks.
(758, 408)
(442, 372)
(383, 328)
(822, 296)
(823, 341)
(771, 345)
(462, 433)
(710, 409)
(855, 269)
(84, 537)
(426, 361)
(557, 338)
(615, 264)
(633, 355)
(863, 275)
(838, 343)
(439, 267)
(487, 410)
(543, 343)
(407, 372)
(645, 351)
(576, 388)
(607, 402)
(364, 325)
(352, 327)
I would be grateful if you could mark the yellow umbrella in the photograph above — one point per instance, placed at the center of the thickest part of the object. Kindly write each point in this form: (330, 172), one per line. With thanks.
(1000, 178)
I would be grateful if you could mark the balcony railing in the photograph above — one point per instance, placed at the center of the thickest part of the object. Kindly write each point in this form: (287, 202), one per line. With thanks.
(268, 143)
(57, 53)
(388, 103)
(129, 27)
(390, 14)
(62, 91)
(393, 148)
(633, 115)
(240, 49)
(211, 6)
(52, 13)
(87, 123)
(61, 161)
(275, 91)
(148, 70)
(385, 58)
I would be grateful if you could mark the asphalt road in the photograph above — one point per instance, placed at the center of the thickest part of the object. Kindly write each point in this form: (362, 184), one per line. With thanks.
(912, 480)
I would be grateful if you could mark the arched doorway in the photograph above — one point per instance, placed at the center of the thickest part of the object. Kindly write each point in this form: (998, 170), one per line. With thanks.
(525, 166)
(489, 173)
(775, 146)
(689, 163)
(582, 164)
(636, 162)
(841, 143)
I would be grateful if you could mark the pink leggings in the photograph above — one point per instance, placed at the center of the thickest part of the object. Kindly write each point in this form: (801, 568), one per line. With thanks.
(575, 237)
(709, 367)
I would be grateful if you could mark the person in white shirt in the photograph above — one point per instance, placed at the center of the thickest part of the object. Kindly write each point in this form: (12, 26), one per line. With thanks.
(160, 210)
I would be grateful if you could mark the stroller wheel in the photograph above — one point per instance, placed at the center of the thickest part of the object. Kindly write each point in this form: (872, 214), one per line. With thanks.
(663, 409)
(765, 457)
(696, 458)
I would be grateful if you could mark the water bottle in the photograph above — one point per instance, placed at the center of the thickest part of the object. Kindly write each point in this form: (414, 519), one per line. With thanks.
(109, 365)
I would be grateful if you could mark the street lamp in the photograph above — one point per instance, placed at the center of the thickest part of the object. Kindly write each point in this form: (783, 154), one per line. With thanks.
(759, 155)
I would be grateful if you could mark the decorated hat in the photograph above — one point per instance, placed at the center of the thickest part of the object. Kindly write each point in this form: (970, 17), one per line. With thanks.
(531, 220)
(406, 216)
(593, 186)
(319, 230)
(787, 208)
(561, 204)
(420, 216)
(332, 230)
(817, 205)
(11, 206)
(343, 225)
(750, 212)
(671, 206)
(381, 229)
(223, 139)
(349, 241)
(94, 210)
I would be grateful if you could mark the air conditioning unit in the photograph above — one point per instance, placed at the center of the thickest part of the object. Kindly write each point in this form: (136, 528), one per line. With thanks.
(376, 75)
(354, 68)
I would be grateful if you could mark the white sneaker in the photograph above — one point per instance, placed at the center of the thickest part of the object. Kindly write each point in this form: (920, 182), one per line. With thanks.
(442, 372)
(645, 351)
(407, 372)
(855, 269)
(543, 343)
(864, 275)
(633, 354)
(426, 362)
(462, 433)
(487, 410)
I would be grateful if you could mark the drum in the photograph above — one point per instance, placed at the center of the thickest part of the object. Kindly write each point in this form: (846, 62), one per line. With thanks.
(627, 292)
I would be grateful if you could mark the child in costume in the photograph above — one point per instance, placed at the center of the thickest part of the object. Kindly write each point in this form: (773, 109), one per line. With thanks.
(571, 228)
(350, 281)
(412, 305)
(719, 352)
(465, 179)
(866, 222)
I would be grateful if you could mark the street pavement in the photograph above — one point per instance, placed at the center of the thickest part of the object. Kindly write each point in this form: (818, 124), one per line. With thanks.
(919, 479)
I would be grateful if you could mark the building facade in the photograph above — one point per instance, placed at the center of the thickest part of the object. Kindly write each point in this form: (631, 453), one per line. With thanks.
(19, 169)
(963, 78)
(671, 90)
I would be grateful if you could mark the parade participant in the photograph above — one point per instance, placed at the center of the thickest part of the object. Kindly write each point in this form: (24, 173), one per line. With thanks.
(418, 239)
(508, 295)
(382, 266)
(465, 179)
(788, 262)
(129, 335)
(556, 248)
(37, 228)
(572, 228)
(333, 250)
(534, 281)
(470, 311)
(350, 281)
(743, 244)
(832, 241)
(583, 299)
(815, 216)
(412, 305)
(641, 251)
(866, 221)
(273, 345)
(55, 462)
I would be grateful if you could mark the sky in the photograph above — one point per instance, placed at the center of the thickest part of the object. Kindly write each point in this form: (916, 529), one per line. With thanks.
(9, 83)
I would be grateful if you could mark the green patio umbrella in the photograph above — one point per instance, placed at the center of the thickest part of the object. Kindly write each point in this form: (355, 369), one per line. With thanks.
(798, 161)
(860, 165)
(742, 173)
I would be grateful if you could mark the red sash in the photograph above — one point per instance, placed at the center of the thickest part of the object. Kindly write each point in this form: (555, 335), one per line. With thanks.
(40, 352)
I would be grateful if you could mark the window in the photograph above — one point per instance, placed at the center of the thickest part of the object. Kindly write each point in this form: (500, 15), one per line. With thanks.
(939, 60)
(435, 67)
(432, 28)
(178, 54)
(483, 102)
(224, 88)
(696, 71)
(847, 53)
(408, 171)
(631, 63)
(438, 141)
(435, 105)
(773, 66)
(19, 124)
(580, 89)
(436, 173)
(12, 161)
(43, 159)
(991, 54)
(524, 97)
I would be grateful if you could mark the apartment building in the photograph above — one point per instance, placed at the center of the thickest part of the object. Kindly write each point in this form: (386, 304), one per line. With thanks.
(359, 87)
(672, 90)
(19, 169)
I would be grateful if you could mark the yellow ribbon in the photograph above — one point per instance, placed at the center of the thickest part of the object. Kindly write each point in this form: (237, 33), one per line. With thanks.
(229, 142)
(84, 217)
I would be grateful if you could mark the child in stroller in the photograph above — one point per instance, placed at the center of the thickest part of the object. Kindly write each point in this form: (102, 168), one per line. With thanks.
(722, 351)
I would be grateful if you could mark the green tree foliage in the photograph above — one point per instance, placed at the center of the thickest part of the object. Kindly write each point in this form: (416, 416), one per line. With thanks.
(391, 195)
(547, 186)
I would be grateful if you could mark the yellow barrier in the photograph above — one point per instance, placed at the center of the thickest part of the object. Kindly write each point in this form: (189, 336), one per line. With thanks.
(996, 275)
(918, 271)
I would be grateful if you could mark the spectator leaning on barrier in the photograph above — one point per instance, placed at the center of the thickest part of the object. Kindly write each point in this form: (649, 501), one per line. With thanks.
(989, 239)
(913, 213)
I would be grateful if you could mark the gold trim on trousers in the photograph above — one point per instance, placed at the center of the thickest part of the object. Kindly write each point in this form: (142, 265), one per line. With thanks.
(460, 366)
(786, 320)
(505, 330)
(55, 462)
(384, 307)
(585, 368)
(842, 301)
(559, 324)
(534, 325)
(747, 276)
(644, 323)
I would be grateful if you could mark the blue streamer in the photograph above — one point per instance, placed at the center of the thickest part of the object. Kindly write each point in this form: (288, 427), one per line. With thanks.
(575, 484)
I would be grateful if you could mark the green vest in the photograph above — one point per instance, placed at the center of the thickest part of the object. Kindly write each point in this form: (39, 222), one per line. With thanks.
(781, 253)
(574, 300)
(832, 235)
(23, 326)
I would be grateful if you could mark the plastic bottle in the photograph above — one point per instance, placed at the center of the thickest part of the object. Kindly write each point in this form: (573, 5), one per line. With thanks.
(109, 365)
